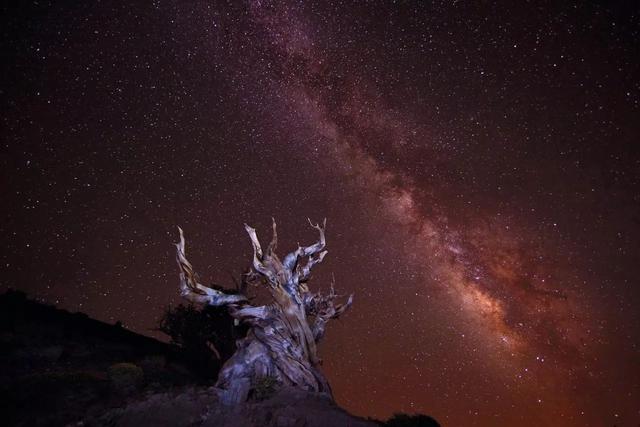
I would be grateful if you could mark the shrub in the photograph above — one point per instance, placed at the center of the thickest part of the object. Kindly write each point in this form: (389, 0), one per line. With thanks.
(207, 336)
(152, 365)
(125, 377)
(265, 387)
(418, 420)
(51, 353)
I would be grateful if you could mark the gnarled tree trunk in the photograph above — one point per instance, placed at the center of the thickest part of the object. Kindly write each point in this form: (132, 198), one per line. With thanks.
(281, 342)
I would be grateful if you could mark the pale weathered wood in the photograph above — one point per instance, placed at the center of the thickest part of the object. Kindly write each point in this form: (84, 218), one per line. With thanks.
(281, 342)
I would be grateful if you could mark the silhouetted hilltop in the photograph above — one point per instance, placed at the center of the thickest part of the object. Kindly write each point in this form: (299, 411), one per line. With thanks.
(58, 366)
(61, 368)
(42, 325)
(284, 407)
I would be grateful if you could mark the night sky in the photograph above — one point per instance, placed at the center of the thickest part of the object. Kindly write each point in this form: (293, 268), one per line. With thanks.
(478, 165)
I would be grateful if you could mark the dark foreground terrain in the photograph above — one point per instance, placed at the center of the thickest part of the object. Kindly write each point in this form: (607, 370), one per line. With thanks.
(57, 366)
(201, 407)
(66, 369)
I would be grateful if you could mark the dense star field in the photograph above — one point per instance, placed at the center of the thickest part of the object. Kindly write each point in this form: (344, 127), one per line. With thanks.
(478, 166)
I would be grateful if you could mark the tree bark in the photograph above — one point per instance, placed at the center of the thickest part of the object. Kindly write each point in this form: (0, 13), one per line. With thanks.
(281, 342)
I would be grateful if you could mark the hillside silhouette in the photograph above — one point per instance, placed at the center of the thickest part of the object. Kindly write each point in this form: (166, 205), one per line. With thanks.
(58, 366)
(61, 368)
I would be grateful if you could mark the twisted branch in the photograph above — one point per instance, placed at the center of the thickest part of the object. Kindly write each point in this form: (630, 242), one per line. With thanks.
(194, 291)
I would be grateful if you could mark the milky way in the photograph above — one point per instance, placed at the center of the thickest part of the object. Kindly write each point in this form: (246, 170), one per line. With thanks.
(478, 166)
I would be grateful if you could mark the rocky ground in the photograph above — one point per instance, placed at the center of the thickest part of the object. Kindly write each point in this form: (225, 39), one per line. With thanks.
(65, 369)
(202, 407)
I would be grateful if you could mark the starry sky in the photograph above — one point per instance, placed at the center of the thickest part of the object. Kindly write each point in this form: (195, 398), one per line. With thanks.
(478, 165)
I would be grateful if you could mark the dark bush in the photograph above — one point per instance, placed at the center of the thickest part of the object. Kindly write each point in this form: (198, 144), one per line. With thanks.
(125, 377)
(206, 335)
(265, 387)
(417, 420)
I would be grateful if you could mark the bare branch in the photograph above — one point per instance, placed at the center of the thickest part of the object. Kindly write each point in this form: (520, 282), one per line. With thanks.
(194, 291)
(303, 274)
(329, 312)
(324, 308)
(274, 239)
(251, 313)
(257, 249)
(321, 243)
(258, 258)
(291, 260)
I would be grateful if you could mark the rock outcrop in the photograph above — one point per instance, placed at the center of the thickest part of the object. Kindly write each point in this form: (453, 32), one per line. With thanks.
(288, 407)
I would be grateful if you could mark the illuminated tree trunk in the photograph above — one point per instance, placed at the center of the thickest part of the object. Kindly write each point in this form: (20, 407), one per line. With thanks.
(281, 342)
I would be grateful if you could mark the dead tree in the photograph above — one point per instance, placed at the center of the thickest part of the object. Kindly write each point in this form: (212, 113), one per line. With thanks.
(283, 335)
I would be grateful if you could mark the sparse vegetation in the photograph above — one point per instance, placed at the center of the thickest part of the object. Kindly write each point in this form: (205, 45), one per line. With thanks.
(56, 364)
(406, 420)
(206, 335)
(265, 387)
(151, 365)
(126, 377)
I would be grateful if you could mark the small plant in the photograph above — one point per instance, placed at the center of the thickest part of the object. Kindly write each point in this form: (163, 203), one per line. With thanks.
(406, 420)
(125, 377)
(265, 387)
(151, 365)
